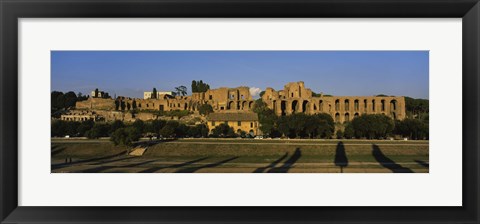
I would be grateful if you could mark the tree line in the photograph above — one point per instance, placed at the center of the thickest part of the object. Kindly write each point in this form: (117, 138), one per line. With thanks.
(416, 108)
(298, 125)
(199, 86)
(126, 133)
(369, 126)
(63, 101)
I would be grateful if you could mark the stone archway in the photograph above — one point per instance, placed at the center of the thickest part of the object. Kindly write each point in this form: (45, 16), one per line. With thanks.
(294, 106)
(283, 107)
(304, 106)
(231, 105)
(393, 105)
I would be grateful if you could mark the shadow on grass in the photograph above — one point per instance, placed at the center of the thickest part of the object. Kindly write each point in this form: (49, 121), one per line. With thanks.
(103, 168)
(211, 165)
(387, 162)
(61, 165)
(121, 158)
(422, 163)
(273, 164)
(100, 160)
(56, 149)
(155, 169)
(287, 165)
(341, 159)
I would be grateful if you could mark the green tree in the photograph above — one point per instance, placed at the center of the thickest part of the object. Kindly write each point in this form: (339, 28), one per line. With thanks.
(339, 134)
(84, 127)
(117, 124)
(284, 127)
(60, 101)
(372, 126)
(266, 117)
(125, 136)
(167, 131)
(194, 86)
(412, 128)
(98, 130)
(59, 128)
(197, 131)
(54, 99)
(70, 99)
(139, 125)
(199, 86)
(205, 109)
(71, 128)
(154, 93)
(349, 131)
(302, 125)
(181, 90)
(81, 97)
(416, 107)
(157, 125)
(117, 104)
(224, 131)
(181, 130)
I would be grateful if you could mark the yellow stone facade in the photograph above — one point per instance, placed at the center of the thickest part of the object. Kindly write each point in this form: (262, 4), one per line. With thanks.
(294, 98)
(239, 121)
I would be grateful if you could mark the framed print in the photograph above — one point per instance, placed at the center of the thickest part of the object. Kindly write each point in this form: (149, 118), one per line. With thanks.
(209, 111)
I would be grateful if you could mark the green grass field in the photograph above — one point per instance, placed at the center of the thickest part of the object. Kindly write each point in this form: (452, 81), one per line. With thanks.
(244, 156)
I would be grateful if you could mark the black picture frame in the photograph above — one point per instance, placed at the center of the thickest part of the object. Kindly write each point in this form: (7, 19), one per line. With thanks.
(11, 11)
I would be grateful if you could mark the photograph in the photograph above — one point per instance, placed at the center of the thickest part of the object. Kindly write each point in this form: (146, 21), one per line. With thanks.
(255, 111)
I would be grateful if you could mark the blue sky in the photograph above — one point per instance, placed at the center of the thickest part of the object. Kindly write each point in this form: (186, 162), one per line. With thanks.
(342, 73)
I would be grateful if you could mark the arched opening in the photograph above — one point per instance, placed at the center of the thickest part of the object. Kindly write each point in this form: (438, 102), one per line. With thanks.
(365, 105)
(393, 105)
(356, 105)
(337, 117)
(250, 105)
(355, 115)
(383, 105)
(304, 106)
(251, 132)
(283, 107)
(274, 106)
(373, 105)
(294, 106)
(347, 117)
(347, 105)
(231, 105)
(186, 106)
(314, 107)
(394, 116)
(337, 105)
(320, 105)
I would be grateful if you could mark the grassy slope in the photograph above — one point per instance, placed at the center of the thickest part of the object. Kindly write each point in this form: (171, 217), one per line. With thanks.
(185, 150)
